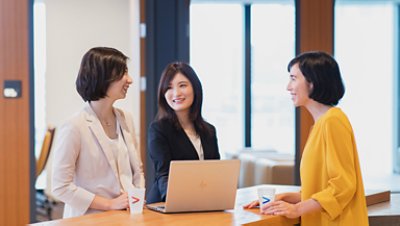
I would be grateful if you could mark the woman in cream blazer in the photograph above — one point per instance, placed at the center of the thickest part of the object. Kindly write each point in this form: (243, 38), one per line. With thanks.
(96, 160)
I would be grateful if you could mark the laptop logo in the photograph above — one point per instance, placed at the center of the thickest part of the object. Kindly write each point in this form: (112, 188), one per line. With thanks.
(203, 184)
(134, 199)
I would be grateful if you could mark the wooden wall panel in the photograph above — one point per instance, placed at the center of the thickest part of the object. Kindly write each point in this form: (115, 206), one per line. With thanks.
(316, 25)
(314, 32)
(14, 114)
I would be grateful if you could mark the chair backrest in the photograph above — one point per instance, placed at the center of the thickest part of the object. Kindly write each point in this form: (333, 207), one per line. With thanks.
(45, 151)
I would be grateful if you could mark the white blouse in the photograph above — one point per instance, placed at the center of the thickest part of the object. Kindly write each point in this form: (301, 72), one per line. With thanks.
(118, 146)
(196, 141)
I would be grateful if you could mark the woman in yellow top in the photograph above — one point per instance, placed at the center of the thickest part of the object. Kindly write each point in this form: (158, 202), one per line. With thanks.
(332, 190)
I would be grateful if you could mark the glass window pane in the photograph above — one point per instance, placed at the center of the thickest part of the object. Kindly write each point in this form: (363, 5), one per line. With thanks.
(39, 32)
(273, 46)
(364, 49)
(216, 48)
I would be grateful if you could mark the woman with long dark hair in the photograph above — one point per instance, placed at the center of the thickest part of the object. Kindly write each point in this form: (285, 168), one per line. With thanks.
(179, 131)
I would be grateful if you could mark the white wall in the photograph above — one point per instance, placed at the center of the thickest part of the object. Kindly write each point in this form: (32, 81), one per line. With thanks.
(75, 26)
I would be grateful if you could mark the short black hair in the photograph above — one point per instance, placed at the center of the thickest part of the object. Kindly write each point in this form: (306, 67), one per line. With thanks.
(100, 67)
(166, 112)
(322, 71)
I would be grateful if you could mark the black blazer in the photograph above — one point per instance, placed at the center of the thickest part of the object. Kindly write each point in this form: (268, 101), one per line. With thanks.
(166, 143)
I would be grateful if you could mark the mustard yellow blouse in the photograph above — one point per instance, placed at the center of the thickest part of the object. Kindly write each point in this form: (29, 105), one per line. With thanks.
(330, 173)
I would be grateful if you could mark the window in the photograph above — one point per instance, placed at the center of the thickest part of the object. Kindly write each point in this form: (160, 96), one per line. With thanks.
(216, 47)
(273, 46)
(217, 53)
(365, 50)
(39, 24)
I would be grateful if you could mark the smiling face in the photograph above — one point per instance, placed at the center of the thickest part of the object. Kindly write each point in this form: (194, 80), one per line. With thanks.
(179, 94)
(119, 88)
(298, 87)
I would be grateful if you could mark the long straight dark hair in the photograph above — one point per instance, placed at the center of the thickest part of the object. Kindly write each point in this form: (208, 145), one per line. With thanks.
(166, 112)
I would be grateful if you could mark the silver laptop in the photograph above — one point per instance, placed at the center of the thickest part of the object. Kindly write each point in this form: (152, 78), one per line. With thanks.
(207, 185)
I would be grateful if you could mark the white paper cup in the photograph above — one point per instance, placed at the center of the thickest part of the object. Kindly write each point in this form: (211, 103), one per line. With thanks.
(136, 200)
(265, 195)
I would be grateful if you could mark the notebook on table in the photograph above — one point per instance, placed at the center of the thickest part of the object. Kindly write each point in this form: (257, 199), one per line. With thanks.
(208, 185)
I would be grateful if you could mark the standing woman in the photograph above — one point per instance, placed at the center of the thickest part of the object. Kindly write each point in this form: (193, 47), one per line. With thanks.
(332, 190)
(179, 131)
(96, 160)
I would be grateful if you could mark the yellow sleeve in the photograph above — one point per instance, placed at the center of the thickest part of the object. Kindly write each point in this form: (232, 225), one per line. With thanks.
(339, 156)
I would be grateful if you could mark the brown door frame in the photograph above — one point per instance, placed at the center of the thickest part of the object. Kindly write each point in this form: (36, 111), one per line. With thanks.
(314, 31)
(17, 162)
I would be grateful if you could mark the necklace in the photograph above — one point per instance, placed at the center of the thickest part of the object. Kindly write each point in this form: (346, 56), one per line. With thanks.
(107, 123)
(102, 121)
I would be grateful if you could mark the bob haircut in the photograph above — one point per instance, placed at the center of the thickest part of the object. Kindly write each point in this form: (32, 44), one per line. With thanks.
(322, 71)
(100, 67)
(166, 112)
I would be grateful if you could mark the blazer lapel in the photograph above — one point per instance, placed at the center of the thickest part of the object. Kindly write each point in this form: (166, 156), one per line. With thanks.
(96, 128)
(205, 141)
(188, 143)
(125, 130)
(123, 163)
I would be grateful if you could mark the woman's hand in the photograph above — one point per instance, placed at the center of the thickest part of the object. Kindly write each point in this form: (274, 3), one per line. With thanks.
(121, 202)
(289, 197)
(281, 208)
(251, 205)
(256, 203)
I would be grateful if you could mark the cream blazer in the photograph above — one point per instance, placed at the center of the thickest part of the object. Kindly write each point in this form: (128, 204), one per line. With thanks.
(84, 164)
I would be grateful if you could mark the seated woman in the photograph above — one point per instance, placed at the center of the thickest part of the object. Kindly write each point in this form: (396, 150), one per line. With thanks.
(96, 160)
(179, 132)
